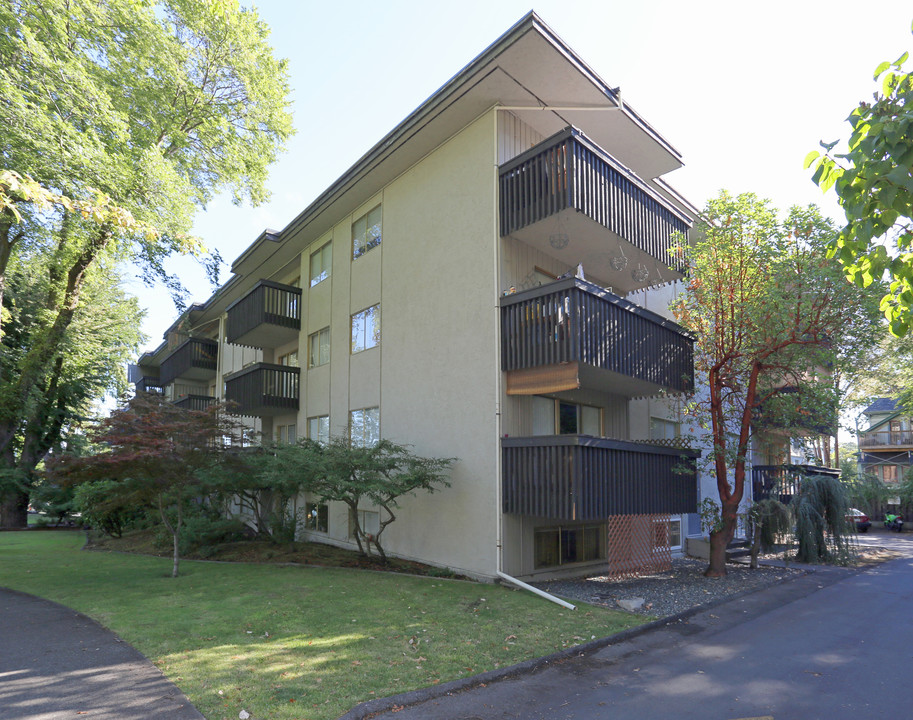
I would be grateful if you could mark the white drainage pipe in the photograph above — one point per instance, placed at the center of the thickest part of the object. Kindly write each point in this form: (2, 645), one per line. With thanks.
(537, 591)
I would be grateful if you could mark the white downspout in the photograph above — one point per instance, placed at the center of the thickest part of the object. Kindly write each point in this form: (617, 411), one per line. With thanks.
(537, 591)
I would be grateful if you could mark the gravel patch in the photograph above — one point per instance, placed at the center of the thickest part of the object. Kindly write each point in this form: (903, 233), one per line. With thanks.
(672, 592)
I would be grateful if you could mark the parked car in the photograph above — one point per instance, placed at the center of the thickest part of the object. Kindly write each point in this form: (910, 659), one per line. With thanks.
(860, 518)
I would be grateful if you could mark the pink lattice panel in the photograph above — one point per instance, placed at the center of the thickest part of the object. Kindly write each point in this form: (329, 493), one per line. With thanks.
(638, 545)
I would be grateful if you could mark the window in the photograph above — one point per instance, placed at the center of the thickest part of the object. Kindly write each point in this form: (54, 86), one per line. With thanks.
(316, 517)
(552, 417)
(286, 434)
(319, 344)
(319, 429)
(366, 232)
(290, 359)
(369, 521)
(364, 426)
(321, 260)
(664, 429)
(366, 329)
(675, 533)
(564, 545)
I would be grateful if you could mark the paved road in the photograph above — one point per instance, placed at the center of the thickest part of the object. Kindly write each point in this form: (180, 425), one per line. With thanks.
(834, 645)
(57, 664)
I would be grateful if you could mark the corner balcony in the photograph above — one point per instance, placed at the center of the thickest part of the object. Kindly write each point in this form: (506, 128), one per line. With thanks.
(579, 477)
(193, 359)
(149, 385)
(267, 317)
(571, 334)
(570, 199)
(197, 403)
(263, 390)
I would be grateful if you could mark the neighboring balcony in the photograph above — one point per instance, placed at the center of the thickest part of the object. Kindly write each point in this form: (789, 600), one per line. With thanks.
(581, 478)
(198, 403)
(149, 385)
(886, 440)
(263, 390)
(570, 199)
(782, 481)
(571, 334)
(193, 359)
(267, 317)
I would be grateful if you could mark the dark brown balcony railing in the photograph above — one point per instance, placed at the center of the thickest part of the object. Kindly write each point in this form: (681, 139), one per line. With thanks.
(886, 438)
(577, 477)
(149, 385)
(263, 390)
(569, 171)
(195, 402)
(268, 316)
(193, 359)
(575, 321)
(782, 481)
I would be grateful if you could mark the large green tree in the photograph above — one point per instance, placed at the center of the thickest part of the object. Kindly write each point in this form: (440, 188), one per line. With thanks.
(120, 118)
(873, 179)
(771, 314)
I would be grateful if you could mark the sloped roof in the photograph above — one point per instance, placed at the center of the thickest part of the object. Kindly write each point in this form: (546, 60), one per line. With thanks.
(881, 405)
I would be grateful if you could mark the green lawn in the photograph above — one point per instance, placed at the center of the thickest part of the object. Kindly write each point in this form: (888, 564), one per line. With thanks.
(295, 642)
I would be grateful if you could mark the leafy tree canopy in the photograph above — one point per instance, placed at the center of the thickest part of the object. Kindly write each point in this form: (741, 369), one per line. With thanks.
(120, 118)
(873, 180)
(771, 315)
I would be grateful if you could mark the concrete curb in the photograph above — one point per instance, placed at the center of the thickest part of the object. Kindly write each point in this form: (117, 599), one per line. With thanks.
(368, 709)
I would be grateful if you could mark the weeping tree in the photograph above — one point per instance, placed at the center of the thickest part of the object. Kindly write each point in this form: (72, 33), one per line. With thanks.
(823, 533)
(768, 520)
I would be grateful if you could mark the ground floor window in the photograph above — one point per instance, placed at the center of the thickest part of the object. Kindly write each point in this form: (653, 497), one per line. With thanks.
(675, 533)
(565, 545)
(369, 521)
(286, 434)
(316, 517)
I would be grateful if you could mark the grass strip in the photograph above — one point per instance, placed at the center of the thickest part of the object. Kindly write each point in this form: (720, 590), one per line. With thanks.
(295, 642)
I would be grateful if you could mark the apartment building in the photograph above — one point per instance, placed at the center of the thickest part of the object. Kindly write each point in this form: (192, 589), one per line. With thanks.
(886, 445)
(476, 286)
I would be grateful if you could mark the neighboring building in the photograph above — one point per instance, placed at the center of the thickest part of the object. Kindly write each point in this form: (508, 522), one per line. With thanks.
(886, 444)
(434, 295)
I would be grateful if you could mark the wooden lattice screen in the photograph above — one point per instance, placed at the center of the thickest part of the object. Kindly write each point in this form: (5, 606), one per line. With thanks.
(638, 545)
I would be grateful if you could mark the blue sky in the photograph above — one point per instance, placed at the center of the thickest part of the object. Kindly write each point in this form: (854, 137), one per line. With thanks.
(743, 90)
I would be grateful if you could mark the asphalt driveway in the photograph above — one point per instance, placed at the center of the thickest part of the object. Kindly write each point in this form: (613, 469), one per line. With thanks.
(58, 664)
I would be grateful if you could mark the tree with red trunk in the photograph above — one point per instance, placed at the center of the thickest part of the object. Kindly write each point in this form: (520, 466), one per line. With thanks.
(771, 315)
(157, 452)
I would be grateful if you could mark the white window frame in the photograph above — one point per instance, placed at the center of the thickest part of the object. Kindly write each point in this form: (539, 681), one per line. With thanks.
(367, 232)
(319, 428)
(360, 427)
(320, 353)
(322, 257)
(362, 337)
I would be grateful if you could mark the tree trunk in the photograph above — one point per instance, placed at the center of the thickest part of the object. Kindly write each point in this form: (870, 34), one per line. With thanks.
(14, 510)
(720, 539)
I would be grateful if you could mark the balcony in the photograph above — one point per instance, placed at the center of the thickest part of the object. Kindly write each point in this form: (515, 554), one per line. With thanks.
(608, 218)
(886, 440)
(578, 477)
(149, 385)
(193, 359)
(268, 316)
(571, 334)
(782, 481)
(197, 403)
(263, 390)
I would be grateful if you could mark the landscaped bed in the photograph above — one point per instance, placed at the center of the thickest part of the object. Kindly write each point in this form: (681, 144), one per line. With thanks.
(295, 641)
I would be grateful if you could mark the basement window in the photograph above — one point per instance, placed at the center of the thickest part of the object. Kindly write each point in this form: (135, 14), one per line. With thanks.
(553, 547)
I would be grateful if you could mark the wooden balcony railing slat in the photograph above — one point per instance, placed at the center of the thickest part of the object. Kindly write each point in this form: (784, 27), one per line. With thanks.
(575, 321)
